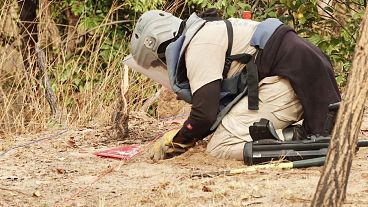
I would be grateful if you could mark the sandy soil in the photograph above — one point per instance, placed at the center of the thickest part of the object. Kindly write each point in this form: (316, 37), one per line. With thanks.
(64, 172)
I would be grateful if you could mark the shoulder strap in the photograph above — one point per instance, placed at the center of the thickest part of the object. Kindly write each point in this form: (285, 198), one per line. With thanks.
(242, 58)
(252, 80)
(228, 61)
(252, 72)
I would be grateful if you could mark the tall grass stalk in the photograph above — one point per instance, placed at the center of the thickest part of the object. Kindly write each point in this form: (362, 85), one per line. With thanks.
(86, 90)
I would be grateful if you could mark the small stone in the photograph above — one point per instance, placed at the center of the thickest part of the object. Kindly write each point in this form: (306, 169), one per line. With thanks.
(36, 193)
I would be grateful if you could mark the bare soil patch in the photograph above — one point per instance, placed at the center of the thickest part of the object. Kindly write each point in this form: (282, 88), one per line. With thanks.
(64, 172)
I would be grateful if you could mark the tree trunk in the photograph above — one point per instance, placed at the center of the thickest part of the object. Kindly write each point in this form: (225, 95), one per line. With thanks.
(331, 189)
(28, 31)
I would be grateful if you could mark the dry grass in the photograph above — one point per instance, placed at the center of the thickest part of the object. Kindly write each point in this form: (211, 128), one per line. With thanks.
(86, 92)
(86, 88)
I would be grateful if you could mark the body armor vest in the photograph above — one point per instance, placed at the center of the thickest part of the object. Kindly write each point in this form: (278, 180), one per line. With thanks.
(232, 89)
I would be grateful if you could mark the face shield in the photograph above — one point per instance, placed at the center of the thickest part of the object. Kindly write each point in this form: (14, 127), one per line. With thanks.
(157, 71)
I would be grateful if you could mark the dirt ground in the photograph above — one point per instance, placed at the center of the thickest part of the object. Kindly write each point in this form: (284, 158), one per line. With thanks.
(63, 171)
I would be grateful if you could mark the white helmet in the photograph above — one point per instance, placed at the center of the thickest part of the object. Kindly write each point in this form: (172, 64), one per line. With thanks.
(152, 29)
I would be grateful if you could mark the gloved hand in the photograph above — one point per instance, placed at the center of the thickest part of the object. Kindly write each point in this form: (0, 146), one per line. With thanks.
(165, 147)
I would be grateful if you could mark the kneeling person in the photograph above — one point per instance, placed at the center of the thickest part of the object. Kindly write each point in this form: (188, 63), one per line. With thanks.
(234, 72)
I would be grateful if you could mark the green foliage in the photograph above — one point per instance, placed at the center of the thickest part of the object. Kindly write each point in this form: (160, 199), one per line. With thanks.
(142, 5)
(333, 28)
(230, 8)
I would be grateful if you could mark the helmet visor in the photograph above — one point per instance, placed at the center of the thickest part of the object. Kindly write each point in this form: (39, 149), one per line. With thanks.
(157, 71)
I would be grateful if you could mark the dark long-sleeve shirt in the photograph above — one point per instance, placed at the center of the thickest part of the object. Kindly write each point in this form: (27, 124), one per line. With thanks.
(205, 106)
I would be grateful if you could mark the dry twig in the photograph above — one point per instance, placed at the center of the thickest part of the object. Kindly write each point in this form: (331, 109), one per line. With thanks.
(14, 190)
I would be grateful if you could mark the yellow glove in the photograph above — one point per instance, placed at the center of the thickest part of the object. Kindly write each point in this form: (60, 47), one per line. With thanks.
(165, 147)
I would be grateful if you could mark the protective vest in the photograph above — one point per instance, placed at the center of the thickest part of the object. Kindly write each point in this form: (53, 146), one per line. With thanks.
(233, 88)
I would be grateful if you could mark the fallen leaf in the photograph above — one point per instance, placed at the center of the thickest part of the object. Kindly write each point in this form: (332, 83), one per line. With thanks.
(60, 171)
(206, 189)
(71, 143)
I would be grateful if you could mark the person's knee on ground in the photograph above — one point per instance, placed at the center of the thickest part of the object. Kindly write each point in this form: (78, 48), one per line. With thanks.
(224, 145)
(230, 152)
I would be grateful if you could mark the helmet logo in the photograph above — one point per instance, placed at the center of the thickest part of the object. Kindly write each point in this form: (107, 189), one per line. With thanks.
(149, 42)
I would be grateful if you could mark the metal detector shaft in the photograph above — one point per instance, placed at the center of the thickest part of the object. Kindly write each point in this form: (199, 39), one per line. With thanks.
(258, 152)
(306, 145)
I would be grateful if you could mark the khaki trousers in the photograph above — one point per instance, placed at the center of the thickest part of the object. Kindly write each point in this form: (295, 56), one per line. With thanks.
(277, 103)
